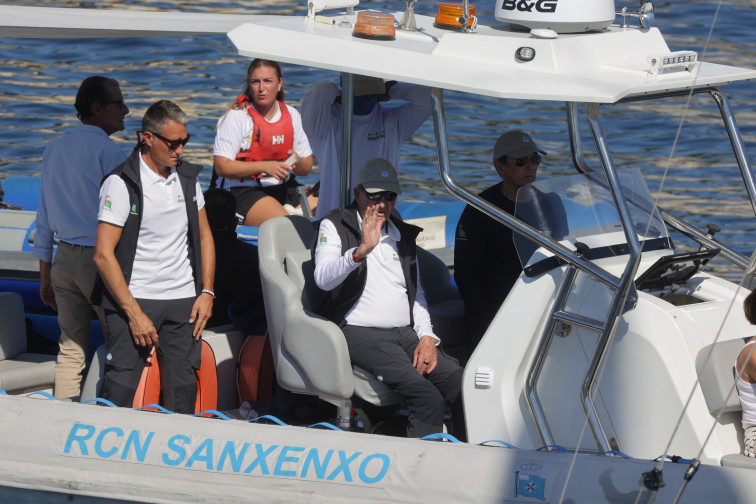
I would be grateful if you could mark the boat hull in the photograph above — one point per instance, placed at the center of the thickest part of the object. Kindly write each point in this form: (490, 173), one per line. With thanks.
(117, 453)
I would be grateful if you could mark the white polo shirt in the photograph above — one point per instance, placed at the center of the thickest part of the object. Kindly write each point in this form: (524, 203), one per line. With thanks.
(162, 269)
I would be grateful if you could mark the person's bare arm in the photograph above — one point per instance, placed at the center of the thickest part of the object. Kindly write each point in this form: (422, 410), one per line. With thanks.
(142, 329)
(203, 305)
(231, 168)
(303, 166)
(46, 291)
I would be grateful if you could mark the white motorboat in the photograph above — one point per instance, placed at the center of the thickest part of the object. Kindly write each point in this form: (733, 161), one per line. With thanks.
(606, 375)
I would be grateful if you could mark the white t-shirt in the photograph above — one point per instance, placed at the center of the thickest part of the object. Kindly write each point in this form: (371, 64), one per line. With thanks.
(234, 134)
(162, 269)
(747, 395)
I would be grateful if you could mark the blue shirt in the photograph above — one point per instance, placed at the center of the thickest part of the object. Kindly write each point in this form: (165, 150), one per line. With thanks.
(72, 168)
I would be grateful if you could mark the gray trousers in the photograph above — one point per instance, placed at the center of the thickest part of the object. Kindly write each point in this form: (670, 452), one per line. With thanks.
(388, 353)
(178, 354)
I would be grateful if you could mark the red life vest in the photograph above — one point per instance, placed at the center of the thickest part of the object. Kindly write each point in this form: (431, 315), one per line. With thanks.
(270, 141)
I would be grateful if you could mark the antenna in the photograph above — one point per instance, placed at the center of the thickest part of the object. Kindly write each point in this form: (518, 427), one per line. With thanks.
(408, 20)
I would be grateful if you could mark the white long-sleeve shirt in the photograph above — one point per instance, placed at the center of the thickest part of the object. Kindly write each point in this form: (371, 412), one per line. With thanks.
(383, 304)
(380, 133)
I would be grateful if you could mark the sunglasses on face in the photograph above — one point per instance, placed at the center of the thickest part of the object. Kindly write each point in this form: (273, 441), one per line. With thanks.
(173, 144)
(118, 102)
(534, 158)
(376, 196)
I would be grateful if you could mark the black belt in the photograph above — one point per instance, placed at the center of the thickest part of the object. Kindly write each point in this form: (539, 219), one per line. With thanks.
(73, 245)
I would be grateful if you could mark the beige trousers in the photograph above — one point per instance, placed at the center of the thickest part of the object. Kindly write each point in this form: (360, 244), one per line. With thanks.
(73, 275)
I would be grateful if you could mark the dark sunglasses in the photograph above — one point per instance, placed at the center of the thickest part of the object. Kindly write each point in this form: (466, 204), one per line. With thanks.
(376, 196)
(173, 144)
(118, 102)
(520, 162)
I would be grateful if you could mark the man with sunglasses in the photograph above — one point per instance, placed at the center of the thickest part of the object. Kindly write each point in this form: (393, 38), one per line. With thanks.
(72, 168)
(486, 264)
(156, 260)
(366, 262)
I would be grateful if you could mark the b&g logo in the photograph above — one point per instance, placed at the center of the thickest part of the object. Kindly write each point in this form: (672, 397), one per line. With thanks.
(528, 6)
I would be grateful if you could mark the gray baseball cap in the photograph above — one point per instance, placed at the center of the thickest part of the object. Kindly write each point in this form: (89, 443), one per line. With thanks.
(515, 144)
(379, 175)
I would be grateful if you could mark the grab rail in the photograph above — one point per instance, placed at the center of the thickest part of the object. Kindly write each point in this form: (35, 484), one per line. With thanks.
(345, 157)
(540, 356)
(626, 284)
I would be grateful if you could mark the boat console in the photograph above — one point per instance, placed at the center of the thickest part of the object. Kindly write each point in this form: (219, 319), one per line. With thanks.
(674, 269)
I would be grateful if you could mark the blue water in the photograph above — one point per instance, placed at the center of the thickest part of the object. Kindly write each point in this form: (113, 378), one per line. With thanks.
(38, 79)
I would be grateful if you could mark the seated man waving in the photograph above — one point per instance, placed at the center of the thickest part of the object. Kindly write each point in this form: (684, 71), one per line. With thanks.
(366, 262)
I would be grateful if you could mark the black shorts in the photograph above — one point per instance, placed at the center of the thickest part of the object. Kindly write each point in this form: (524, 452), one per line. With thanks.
(246, 197)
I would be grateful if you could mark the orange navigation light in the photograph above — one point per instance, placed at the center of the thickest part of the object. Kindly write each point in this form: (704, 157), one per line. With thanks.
(374, 25)
(450, 13)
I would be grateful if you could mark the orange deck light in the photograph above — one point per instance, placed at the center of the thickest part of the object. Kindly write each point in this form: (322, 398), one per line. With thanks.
(374, 25)
(449, 14)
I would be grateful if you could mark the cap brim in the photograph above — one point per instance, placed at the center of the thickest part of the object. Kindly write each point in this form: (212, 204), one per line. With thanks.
(372, 190)
(523, 152)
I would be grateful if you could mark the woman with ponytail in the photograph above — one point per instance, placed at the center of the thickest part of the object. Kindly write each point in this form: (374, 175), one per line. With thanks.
(260, 147)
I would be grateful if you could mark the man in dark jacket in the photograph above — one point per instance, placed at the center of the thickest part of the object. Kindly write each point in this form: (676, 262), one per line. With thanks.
(486, 262)
(155, 255)
(366, 261)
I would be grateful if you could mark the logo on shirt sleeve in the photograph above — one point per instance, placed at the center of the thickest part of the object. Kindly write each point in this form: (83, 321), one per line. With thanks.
(107, 203)
(323, 238)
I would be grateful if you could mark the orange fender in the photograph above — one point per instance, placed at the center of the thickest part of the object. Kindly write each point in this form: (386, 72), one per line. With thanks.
(148, 390)
(255, 372)
(207, 381)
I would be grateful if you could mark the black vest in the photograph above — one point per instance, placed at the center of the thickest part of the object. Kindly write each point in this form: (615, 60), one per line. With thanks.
(336, 303)
(125, 251)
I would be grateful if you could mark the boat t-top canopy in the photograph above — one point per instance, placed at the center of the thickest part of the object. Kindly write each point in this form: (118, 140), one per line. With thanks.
(602, 67)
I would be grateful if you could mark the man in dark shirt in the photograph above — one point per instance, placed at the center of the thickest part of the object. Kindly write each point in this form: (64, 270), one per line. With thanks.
(236, 264)
(486, 264)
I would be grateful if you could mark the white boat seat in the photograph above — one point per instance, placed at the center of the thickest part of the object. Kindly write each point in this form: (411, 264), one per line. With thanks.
(310, 353)
(739, 460)
(93, 382)
(717, 378)
(445, 305)
(20, 371)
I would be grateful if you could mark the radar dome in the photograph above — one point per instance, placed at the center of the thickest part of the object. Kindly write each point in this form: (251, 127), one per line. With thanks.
(561, 16)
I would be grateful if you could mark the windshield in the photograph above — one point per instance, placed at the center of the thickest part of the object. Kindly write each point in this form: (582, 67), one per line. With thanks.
(580, 208)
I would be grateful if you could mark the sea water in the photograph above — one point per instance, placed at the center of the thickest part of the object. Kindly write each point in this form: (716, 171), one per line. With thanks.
(697, 180)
